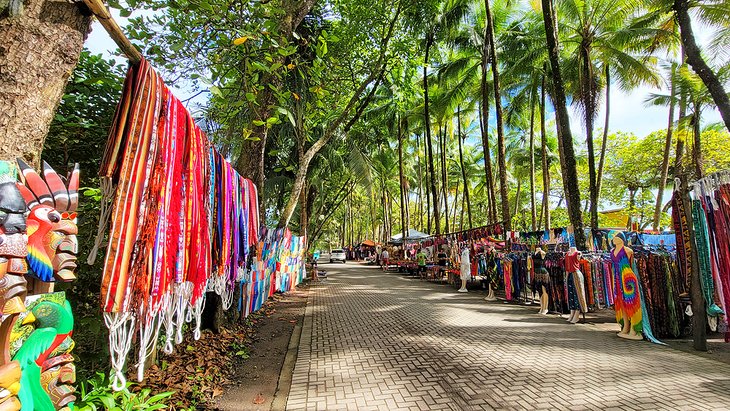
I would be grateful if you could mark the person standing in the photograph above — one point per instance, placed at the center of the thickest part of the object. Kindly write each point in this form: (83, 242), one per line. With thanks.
(384, 259)
(421, 261)
(315, 259)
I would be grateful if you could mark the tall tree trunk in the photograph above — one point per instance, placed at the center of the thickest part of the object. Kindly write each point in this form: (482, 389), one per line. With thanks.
(39, 49)
(501, 154)
(697, 145)
(429, 147)
(373, 224)
(385, 210)
(402, 178)
(352, 218)
(453, 219)
(483, 128)
(544, 158)
(567, 154)
(667, 149)
(444, 175)
(461, 217)
(420, 183)
(602, 157)
(463, 171)
(632, 204)
(303, 212)
(517, 196)
(681, 125)
(533, 209)
(588, 87)
(694, 58)
(428, 199)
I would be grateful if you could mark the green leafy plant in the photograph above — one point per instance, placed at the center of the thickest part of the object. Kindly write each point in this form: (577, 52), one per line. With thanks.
(101, 396)
(240, 350)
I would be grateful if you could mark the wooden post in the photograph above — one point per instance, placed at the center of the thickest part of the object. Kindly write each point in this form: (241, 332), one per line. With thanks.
(115, 32)
(699, 311)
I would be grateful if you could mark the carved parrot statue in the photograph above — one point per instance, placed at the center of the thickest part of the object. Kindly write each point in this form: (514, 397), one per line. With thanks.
(54, 323)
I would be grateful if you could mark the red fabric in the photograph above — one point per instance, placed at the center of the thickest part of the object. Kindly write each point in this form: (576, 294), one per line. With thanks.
(572, 262)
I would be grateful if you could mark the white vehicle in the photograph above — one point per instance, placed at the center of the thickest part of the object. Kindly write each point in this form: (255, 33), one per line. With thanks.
(338, 255)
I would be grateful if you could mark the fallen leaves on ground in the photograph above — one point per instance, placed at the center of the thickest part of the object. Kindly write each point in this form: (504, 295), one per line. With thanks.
(198, 370)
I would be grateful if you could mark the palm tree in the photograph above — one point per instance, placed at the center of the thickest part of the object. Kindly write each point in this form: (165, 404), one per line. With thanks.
(599, 32)
(667, 146)
(461, 165)
(490, 38)
(526, 65)
(713, 12)
(565, 138)
(467, 76)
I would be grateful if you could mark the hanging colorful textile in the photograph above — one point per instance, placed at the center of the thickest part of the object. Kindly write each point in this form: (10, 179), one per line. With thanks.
(183, 222)
(159, 255)
(703, 255)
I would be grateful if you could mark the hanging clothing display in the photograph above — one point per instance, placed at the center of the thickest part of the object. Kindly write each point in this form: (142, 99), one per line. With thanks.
(183, 222)
(628, 299)
(542, 277)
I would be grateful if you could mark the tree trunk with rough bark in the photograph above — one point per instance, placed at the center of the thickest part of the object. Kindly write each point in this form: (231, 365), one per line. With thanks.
(602, 157)
(404, 224)
(501, 149)
(420, 183)
(567, 154)
(697, 144)
(444, 175)
(429, 145)
(483, 128)
(39, 49)
(533, 207)
(463, 171)
(589, 106)
(545, 167)
(681, 126)
(667, 149)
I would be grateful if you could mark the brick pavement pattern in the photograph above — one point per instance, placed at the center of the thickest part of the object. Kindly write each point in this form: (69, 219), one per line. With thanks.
(382, 341)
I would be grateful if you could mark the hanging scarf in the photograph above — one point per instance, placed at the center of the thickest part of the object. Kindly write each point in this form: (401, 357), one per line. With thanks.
(703, 254)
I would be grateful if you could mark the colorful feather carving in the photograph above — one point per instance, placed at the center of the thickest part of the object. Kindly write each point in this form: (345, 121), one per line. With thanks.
(39, 224)
(57, 188)
(73, 189)
(28, 196)
(35, 183)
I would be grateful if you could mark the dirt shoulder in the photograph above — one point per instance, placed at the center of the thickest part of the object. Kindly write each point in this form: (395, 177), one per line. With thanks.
(258, 360)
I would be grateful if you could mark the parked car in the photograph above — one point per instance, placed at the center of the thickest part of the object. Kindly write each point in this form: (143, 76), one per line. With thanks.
(338, 255)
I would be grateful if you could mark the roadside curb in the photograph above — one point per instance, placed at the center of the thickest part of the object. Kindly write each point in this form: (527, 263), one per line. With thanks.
(284, 386)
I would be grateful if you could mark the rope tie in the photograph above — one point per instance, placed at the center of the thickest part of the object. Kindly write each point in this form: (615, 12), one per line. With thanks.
(107, 194)
(121, 331)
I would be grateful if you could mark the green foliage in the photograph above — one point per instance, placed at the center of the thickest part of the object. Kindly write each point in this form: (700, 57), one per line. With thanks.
(97, 394)
(80, 127)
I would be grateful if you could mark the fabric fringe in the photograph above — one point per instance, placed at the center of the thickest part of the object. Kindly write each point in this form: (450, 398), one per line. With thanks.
(107, 195)
(121, 331)
(197, 309)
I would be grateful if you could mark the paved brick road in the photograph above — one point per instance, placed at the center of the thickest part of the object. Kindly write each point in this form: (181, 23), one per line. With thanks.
(374, 340)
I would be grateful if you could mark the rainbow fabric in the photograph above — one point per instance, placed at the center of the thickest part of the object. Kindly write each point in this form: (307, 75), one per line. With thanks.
(628, 295)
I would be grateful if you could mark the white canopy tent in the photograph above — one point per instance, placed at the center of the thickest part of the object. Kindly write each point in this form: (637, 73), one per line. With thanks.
(413, 235)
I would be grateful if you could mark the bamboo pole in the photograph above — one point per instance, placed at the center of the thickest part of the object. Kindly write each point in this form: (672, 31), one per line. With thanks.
(115, 32)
